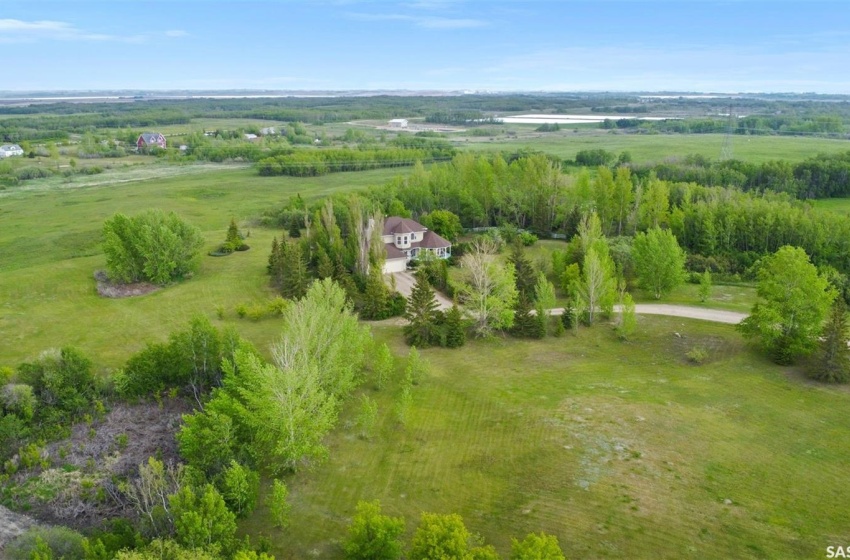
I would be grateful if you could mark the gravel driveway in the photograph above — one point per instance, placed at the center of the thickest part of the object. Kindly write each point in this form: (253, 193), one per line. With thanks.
(404, 282)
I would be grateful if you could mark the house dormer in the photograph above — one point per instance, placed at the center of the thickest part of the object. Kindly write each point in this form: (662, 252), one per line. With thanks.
(406, 239)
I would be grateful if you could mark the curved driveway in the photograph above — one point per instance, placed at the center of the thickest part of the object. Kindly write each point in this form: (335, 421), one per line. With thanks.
(703, 313)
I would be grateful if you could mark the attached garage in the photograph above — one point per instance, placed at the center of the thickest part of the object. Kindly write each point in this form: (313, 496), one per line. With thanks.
(395, 265)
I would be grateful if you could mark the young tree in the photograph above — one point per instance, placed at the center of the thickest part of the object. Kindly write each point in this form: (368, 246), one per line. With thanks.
(832, 362)
(372, 535)
(233, 241)
(368, 416)
(488, 288)
(793, 306)
(455, 328)
(239, 486)
(278, 505)
(421, 312)
(705, 286)
(544, 295)
(537, 547)
(383, 365)
(659, 261)
(628, 319)
(202, 520)
(596, 284)
(526, 324)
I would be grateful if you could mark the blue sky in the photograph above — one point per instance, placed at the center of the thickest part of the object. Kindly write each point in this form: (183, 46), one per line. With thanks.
(688, 45)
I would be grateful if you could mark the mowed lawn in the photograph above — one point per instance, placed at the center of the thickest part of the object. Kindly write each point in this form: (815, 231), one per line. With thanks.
(622, 450)
(50, 248)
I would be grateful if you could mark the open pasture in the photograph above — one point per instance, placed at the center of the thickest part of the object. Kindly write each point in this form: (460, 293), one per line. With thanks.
(622, 450)
(646, 148)
(50, 247)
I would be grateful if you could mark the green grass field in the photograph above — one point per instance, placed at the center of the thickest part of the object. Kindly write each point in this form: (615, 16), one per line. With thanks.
(840, 205)
(622, 450)
(50, 247)
(657, 147)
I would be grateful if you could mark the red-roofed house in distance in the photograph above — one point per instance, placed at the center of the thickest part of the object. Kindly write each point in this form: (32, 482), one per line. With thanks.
(150, 139)
(406, 239)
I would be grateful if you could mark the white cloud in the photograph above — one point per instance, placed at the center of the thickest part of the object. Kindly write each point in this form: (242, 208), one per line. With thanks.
(426, 22)
(19, 31)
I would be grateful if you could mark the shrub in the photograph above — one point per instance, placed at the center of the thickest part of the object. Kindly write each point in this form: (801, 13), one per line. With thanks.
(697, 355)
(278, 506)
(46, 542)
(373, 536)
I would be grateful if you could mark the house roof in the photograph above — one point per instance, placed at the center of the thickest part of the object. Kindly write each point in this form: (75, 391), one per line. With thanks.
(395, 224)
(393, 252)
(432, 241)
(8, 147)
(151, 137)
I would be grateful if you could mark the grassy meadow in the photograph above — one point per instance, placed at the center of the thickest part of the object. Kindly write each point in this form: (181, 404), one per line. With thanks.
(621, 450)
(50, 247)
(656, 147)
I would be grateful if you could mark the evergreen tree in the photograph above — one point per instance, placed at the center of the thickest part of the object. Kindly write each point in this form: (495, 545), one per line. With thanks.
(422, 313)
(294, 279)
(324, 265)
(832, 362)
(374, 305)
(524, 275)
(526, 324)
(273, 267)
(233, 241)
(455, 329)
(295, 227)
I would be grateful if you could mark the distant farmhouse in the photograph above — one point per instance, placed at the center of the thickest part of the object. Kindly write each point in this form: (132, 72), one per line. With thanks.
(398, 123)
(151, 139)
(268, 131)
(250, 137)
(406, 240)
(9, 150)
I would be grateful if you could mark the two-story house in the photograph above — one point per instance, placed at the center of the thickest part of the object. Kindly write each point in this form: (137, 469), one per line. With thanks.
(406, 239)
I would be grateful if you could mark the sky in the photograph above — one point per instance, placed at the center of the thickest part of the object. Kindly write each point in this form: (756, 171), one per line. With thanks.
(495, 45)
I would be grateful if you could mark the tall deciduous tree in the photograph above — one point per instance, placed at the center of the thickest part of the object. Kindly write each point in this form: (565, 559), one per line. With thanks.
(597, 285)
(488, 288)
(536, 547)
(794, 303)
(659, 261)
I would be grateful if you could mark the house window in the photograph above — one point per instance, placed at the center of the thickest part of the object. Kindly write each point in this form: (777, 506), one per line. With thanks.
(405, 240)
(398, 240)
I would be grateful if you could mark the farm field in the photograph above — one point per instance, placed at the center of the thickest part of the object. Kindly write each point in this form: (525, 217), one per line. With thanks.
(622, 450)
(50, 247)
(840, 205)
(655, 147)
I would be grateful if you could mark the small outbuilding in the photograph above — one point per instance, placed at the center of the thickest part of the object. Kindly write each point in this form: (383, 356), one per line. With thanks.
(398, 123)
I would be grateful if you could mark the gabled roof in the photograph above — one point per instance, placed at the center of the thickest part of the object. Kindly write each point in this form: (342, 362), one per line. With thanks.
(8, 147)
(152, 137)
(395, 224)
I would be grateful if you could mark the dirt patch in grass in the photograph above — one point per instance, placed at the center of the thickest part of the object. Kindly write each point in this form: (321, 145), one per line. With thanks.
(112, 290)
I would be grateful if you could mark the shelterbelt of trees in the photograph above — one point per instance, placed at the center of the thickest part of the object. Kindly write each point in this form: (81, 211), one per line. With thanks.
(725, 230)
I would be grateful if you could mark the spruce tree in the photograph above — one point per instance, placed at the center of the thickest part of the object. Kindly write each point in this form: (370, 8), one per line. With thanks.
(374, 305)
(526, 324)
(324, 265)
(832, 362)
(233, 241)
(422, 313)
(294, 227)
(273, 267)
(524, 274)
(294, 277)
(455, 331)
